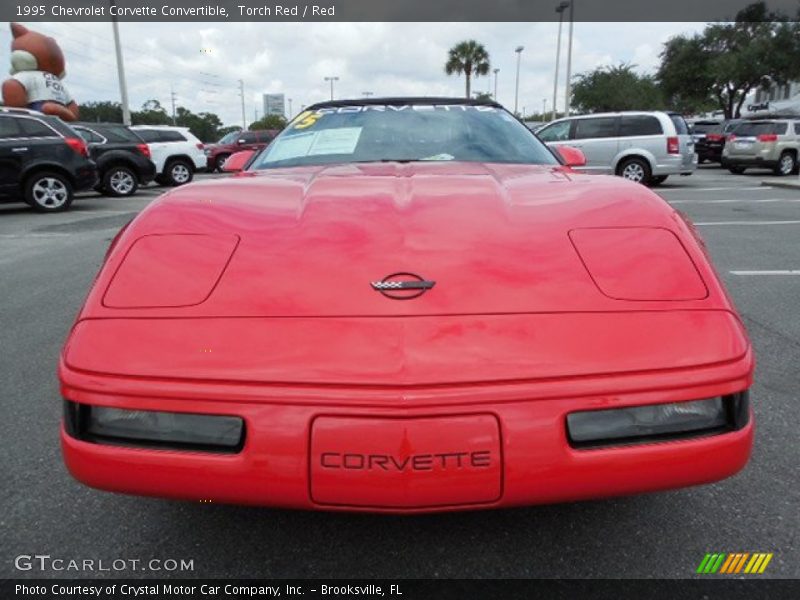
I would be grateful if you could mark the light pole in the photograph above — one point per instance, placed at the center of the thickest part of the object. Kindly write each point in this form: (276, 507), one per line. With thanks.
(496, 71)
(290, 107)
(544, 109)
(569, 58)
(331, 79)
(518, 50)
(367, 94)
(123, 87)
(560, 10)
(241, 93)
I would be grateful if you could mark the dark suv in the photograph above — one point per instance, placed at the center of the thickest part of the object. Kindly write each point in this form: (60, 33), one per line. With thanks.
(122, 157)
(42, 160)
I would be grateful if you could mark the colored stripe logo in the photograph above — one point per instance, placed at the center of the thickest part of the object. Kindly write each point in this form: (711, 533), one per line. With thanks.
(734, 562)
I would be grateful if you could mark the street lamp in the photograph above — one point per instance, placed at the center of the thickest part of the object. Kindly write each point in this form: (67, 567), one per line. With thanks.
(290, 108)
(569, 58)
(560, 10)
(367, 94)
(518, 50)
(544, 108)
(331, 79)
(496, 71)
(123, 86)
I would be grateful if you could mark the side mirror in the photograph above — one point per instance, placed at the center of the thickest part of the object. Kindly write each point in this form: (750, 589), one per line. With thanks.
(237, 161)
(572, 157)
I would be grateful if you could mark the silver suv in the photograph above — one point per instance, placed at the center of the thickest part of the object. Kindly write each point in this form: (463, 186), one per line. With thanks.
(646, 147)
(769, 144)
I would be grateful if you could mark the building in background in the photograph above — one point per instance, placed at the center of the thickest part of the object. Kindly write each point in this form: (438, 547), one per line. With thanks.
(274, 104)
(778, 100)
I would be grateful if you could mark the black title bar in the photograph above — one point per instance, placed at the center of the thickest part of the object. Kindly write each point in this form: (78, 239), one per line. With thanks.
(381, 10)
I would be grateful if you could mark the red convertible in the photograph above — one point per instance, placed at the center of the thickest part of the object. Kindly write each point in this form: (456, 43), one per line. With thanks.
(406, 305)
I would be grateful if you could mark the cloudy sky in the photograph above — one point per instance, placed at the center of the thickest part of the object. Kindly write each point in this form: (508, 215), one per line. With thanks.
(203, 62)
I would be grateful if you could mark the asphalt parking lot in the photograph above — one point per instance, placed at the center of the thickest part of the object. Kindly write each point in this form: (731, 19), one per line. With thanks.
(48, 261)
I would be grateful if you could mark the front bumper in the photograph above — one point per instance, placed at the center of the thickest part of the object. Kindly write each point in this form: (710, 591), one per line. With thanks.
(278, 463)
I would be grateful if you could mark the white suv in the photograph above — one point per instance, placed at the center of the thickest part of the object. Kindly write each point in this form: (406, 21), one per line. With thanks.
(176, 152)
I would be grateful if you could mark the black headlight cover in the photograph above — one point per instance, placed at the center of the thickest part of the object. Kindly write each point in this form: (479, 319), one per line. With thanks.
(154, 429)
(653, 422)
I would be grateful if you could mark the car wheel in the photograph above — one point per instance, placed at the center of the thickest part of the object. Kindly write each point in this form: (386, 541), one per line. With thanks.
(120, 181)
(178, 172)
(786, 164)
(47, 191)
(658, 180)
(220, 161)
(736, 170)
(634, 169)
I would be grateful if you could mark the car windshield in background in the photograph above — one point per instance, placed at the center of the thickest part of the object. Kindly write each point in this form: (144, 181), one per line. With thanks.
(707, 127)
(229, 138)
(681, 128)
(404, 132)
(119, 134)
(756, 129)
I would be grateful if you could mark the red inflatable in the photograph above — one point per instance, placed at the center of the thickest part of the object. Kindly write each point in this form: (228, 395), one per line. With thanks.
(37, 68)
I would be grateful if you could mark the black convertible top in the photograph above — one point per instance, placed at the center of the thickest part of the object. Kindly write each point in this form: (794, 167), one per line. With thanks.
(399, 101)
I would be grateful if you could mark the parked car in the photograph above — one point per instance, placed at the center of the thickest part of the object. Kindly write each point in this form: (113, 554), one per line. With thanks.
(767, 144)
(43, 161)
(176, 152)
(234, 142)
(122, 157)
(708, 140)
(418, 309)
(646, 147)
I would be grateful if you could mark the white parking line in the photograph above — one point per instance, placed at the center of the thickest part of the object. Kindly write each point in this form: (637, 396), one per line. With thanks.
(785, 272)
(713, 189)
(734, 200)
(708, 223)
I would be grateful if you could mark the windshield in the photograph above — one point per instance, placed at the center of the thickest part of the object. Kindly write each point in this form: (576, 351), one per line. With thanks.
(418, 132)
(707, 127)
(229, 138)
(756, 129)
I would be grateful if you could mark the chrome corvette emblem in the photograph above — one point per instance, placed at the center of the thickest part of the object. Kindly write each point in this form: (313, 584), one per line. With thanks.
(402, 286)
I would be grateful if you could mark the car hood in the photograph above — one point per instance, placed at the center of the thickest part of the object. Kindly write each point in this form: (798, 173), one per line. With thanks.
(309, 242)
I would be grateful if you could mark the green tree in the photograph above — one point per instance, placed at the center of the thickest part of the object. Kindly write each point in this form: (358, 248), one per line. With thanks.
(615, 88)
(726, 61)
(483, 96)
(101, 112)
(152, 113)
(204, 125)
(470, 58)
(269, 122)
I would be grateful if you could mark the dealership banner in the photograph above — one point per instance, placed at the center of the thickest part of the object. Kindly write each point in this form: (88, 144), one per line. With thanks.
(402, 589)
(379, 10)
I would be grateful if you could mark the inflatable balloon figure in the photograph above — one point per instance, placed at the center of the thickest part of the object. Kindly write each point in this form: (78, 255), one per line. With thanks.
(37, 68)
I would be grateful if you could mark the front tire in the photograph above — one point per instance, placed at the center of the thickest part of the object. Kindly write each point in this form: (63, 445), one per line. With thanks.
(786, 164)
(47, 191)
(635, 169)
(178, 172)
(219, 161)
(120, 182)
(736, 170)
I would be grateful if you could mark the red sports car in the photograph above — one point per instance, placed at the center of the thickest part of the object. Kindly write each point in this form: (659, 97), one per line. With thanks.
(406, 305)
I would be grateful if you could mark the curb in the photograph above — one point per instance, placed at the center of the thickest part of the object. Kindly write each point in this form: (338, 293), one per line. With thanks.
(791, 185)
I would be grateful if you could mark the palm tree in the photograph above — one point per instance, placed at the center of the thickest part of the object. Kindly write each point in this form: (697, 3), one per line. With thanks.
(467, 57)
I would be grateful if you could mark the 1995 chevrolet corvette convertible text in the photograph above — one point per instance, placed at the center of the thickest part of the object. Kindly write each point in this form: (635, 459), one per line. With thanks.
(406, 305)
